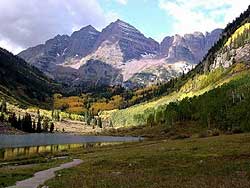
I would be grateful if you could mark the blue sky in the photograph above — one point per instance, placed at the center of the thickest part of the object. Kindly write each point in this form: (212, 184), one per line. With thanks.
(144, 15)
(158, 18)
(44, 19)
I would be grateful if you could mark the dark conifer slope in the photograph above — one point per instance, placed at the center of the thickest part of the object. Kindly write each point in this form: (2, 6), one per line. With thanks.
(23, 83)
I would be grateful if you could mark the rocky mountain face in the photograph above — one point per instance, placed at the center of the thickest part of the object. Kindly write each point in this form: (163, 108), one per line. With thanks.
(226, 59)
(177, 55)
(234, 48)
(190, 48)
(98, 73)
(61, 48)
(82, 42)
(133, 43)
(125, 51)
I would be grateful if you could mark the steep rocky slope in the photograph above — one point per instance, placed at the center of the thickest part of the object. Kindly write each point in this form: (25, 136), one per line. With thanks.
(236, 49)
(140, 60)
(191, 47)
(132, 43)
(61, 48)
(98, 73)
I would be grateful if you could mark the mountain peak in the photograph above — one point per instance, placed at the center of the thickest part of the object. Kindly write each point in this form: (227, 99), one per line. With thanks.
(88, 28)
(120, 21)
(124, 37)
(198, 33)
(85, 32)
(122, 25)
(60, 36)
(216, 31)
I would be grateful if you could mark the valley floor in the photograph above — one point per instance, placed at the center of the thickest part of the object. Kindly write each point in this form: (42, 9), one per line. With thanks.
(222, 161)
(75, 127)
(216, 162)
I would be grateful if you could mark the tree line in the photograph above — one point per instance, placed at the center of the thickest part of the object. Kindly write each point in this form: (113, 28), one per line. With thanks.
(26, 123)
(226, 108)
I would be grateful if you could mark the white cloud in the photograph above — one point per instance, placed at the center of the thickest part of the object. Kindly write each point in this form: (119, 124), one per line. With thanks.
(112, 16)
(123, 2)
(30, 22)
(10, 46)
(202, 15)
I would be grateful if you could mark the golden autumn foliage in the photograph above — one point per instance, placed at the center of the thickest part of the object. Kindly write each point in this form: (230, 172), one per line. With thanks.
(114, 103)
(73, 104)
(113, 98)
(146, 90)
(237, 33)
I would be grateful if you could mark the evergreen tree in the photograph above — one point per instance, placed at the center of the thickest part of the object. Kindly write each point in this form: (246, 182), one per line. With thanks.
(99, 122)
(34, 126)
(85, 116)
(13, 120)
(110, 123)
(52, 126)
(39, 125)
(19, 123)
(45, 124)
(88, 118)
(94, 122)
(38, 112)
(56, 115)
(3, 106)
(52, 114)
(1, 117)
(27, 123)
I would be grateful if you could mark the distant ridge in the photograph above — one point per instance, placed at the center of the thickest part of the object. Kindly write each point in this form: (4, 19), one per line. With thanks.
(118, 45)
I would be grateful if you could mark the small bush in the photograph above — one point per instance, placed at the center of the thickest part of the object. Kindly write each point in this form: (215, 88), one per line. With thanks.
(181, 136)
(203, 134)
(215, 132)
(237, 130)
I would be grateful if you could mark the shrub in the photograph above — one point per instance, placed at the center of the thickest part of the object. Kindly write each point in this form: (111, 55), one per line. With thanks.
(237, 130)
(181, 136)
(203, 134)
(215, 132)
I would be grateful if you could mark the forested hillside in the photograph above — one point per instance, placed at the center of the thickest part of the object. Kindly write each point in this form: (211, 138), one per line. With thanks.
(109, 98)
(22, 83)
(215, 93)
(230, 35)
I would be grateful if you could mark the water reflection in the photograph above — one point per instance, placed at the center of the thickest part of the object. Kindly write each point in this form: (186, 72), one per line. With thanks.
(30, 140)
(13, 153)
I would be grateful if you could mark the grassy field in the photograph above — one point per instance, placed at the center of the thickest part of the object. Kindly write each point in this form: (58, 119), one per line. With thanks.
(179, 130)
(221, 161)
(23, 168)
